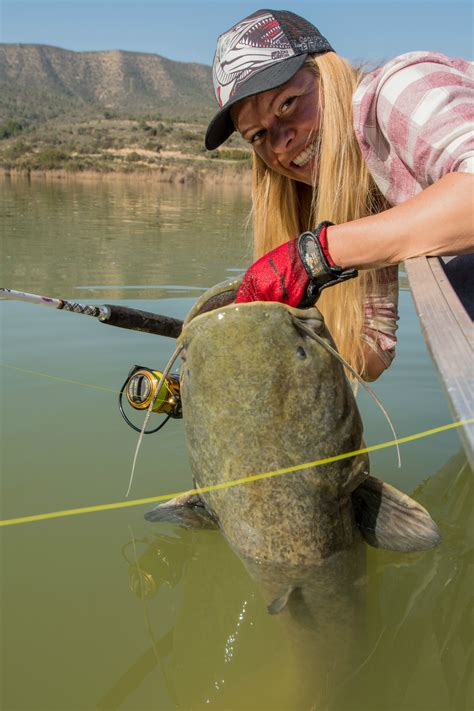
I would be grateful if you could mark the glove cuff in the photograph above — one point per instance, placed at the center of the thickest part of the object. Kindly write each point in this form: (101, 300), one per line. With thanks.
(321, 274)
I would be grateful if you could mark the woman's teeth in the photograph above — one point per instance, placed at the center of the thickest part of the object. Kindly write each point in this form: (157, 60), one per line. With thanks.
(305, 156)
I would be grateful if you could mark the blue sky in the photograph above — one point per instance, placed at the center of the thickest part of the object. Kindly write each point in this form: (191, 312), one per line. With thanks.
(370, 30)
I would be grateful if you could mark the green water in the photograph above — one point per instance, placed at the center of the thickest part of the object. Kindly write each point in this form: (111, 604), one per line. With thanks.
(77, 629)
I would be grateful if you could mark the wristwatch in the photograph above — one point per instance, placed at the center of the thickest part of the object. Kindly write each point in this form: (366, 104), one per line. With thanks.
(321, 274)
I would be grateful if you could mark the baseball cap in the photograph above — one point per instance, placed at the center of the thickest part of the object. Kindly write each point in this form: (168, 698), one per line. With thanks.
(261, 52)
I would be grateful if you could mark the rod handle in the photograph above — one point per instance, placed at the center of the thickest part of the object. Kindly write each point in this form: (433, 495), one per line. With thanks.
(145, 321)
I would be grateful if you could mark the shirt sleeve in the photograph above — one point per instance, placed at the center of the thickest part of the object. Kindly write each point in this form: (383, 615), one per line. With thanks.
(425, 112)
(381, 315)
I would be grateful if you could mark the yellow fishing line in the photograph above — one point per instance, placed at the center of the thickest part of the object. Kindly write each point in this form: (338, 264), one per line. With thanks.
(236, 482)
(61, 380)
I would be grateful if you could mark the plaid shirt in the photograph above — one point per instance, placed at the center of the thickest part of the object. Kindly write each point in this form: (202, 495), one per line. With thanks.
(413, 119)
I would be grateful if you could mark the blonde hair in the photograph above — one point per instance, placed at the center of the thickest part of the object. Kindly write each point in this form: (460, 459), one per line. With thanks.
(345, 190)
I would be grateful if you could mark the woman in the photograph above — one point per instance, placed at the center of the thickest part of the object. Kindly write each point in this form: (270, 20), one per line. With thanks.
(385, 157)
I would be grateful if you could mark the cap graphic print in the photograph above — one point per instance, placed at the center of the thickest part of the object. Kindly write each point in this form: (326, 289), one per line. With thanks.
(250, 46)
(258, 53)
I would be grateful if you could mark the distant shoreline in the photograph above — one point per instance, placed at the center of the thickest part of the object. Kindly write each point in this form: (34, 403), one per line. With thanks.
(231, 175)
(165, 151)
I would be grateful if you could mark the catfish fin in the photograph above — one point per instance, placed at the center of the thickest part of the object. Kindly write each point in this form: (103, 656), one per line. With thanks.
(279, 603)
(389, 519)
(187, 509)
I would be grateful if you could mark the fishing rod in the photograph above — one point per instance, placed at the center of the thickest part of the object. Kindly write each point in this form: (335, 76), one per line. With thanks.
(110, 314)
(144, 387)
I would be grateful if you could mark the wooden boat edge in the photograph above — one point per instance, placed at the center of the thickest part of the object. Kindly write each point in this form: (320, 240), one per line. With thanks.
(448, 332)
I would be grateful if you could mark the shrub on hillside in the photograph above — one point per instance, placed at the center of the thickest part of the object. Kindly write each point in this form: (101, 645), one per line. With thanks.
(15, 151)
(189, 136)
(153, 146)
(133, 157)
(48, 158)
(162, 129)
(233, 154)
(74, 166)
(10, 128)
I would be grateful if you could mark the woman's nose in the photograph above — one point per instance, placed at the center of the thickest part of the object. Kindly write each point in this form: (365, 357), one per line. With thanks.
(281, 137)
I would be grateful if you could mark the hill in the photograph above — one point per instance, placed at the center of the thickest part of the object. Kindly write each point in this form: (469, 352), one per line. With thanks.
(39, 82)
(108, 112)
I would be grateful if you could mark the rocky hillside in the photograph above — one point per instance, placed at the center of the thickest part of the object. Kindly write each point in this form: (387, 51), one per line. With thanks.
(109, 112)
(39, 82)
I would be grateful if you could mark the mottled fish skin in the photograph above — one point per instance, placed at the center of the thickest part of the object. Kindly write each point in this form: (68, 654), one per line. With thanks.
(219, 295)
(259, 395)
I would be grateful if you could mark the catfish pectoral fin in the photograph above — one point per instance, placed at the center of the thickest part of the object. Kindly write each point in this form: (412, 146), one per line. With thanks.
(279, 603)
(387, 518)
(188, 510)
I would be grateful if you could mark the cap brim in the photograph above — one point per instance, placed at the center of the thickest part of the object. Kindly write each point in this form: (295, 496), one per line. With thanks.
(221, 126)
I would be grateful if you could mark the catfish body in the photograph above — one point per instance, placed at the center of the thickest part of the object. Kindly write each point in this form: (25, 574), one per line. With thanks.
(261, 392)
(259, 395)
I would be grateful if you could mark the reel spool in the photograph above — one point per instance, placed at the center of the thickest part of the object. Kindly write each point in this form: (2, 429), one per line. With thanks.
(140, 389)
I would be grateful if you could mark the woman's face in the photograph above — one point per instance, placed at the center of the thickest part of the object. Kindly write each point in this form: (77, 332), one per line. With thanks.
(282, 125)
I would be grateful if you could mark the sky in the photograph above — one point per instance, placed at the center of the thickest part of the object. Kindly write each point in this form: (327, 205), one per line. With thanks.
(365, 30)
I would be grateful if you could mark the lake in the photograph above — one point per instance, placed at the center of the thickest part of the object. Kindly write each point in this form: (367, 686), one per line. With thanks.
(105, 610)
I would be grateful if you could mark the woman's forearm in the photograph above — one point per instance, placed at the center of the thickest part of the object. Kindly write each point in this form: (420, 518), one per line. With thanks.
(438, 221)
(374, 365)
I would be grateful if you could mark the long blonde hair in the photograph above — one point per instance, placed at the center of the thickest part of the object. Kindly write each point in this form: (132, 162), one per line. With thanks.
(345, 190)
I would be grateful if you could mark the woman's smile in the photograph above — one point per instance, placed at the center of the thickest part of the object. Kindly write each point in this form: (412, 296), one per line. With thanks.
(305, 156)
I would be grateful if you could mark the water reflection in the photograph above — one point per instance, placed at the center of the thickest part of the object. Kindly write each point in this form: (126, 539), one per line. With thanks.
(320, 631)
(423, 604)
(60, 236)
(217, 639)
(348, 640)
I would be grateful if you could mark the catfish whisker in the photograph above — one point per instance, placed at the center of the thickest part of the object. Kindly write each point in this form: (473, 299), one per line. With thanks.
(167, 369)
(356, 375)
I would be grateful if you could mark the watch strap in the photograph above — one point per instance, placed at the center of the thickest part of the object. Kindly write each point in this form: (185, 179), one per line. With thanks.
(321, 274)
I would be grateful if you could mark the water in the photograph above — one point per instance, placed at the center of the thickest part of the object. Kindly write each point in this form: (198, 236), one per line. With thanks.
(104, 610)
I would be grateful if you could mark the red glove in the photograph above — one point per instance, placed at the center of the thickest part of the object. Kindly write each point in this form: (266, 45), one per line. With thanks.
(294, 273)
(277, 276)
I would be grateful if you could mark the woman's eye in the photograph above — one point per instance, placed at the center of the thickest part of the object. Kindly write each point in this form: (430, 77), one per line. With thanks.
(257, 136)
(287, 103)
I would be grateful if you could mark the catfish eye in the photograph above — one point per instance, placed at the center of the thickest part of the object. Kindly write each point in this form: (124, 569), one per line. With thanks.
(300, 351)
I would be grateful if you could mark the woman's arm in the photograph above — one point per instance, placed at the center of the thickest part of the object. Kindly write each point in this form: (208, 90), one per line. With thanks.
(438, 221)
(374, 365)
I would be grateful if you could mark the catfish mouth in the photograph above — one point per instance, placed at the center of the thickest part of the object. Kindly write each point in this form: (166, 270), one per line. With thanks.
(223, 303)
(305, 321)
(214, 335)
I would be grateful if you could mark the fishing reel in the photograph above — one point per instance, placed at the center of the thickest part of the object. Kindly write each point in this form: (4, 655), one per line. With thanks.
(141, 389)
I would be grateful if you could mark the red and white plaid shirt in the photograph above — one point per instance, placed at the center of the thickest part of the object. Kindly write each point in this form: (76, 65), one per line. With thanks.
(413, 119)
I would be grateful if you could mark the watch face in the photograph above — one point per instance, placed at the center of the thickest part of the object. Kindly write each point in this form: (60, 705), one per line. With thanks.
(311, 255)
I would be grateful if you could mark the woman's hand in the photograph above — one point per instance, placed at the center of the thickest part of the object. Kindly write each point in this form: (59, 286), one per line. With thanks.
(277, 276)
(294, 273)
